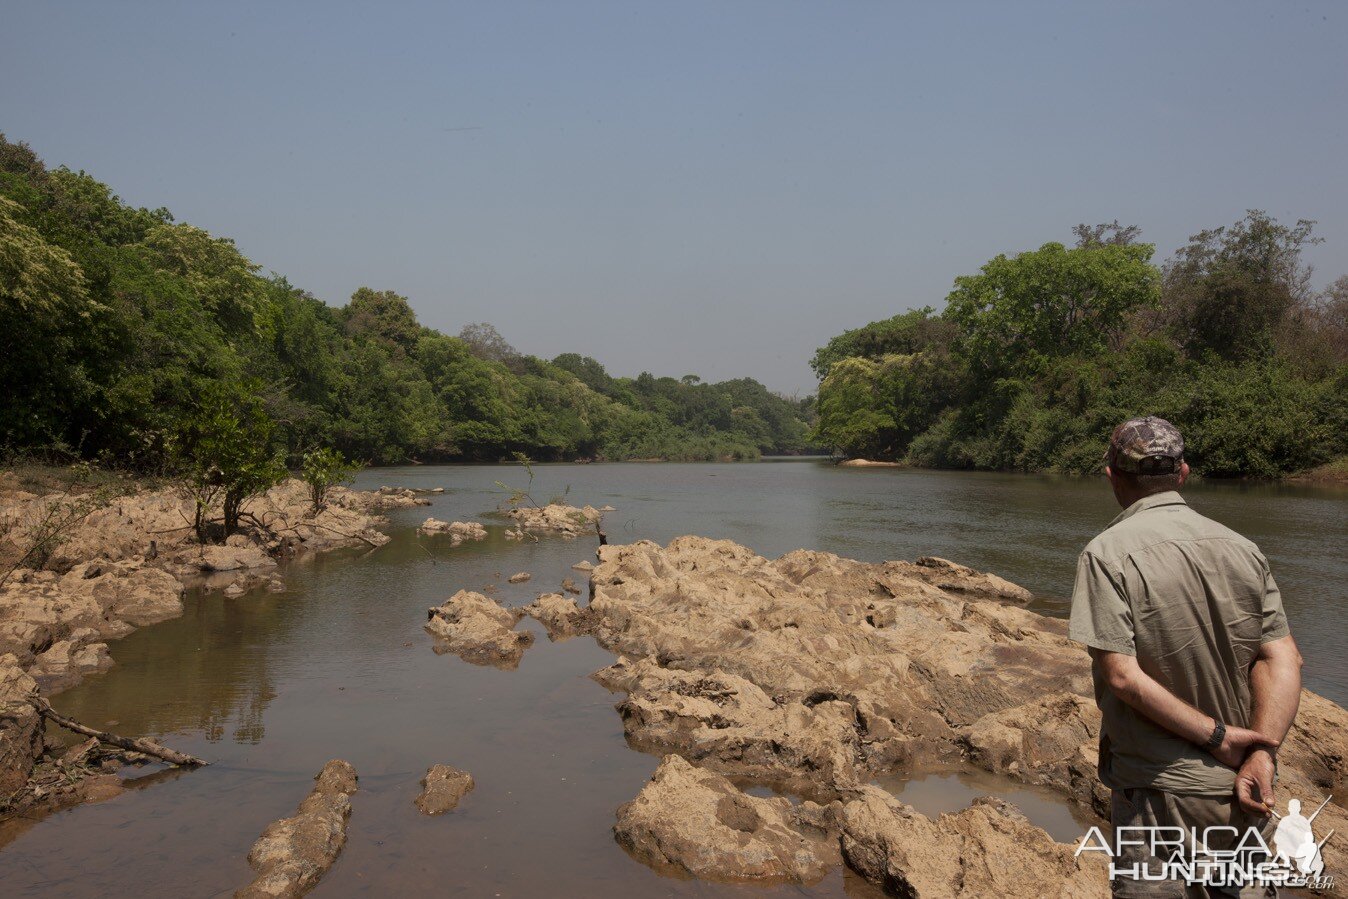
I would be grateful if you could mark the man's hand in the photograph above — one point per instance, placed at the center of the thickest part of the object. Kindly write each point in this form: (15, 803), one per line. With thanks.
(1254, 782)
(1238, 742)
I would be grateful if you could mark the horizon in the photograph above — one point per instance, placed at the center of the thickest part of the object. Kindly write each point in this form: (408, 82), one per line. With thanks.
(715, 192)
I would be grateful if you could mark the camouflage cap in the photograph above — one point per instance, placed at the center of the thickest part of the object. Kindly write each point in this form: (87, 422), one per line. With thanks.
(1148, 445)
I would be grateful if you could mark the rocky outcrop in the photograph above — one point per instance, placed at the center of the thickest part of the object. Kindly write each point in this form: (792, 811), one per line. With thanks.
(914, 661)
(442, 788)
(868, 463)
(556, 518)
(519, 577)
(818, 671)
(725, 722)
(559, 615)
(56, 625)
(20, 726)
(293, 853)
(478, 630)
(457, 531)
(989, 849)
(695, 822)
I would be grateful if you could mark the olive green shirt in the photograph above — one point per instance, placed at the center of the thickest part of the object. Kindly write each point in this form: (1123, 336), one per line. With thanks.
(1193, 601)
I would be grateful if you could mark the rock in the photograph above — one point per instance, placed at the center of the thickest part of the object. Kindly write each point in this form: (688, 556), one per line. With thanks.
(727, 723)
(442, 788)
(458, 531)
(519, 578)
(570, 586)
(583, 565)
(478, 630)
(235, 589)
(868, 463)
(989, 849)
(559, 615)
(821, 671)
(293, 853)
(958, 578)
(914, 661)
(20, 726)
(696, 822)
(41, 612)
(567, 521)
(66, 662)
(122, 565)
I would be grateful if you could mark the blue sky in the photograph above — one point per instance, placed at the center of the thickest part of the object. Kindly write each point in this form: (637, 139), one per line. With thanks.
(714, 188)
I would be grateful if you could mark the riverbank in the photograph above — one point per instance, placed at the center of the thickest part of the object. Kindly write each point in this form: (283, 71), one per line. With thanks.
(84, 565)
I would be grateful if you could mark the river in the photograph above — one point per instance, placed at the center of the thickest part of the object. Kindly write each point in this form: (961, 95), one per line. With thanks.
(270, 686)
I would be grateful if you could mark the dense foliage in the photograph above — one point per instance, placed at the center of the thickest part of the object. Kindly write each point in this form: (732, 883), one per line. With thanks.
(1036, 357)
(134, 339)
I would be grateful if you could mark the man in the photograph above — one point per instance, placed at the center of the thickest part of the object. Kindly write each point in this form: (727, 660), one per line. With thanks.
(1196, 673)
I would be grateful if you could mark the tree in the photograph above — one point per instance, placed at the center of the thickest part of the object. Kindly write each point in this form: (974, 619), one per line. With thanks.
(487, 343)
(1019, 312)
(224, 454)
(384, 316)
(1227, 292)
(1106, 234)
(908, 332)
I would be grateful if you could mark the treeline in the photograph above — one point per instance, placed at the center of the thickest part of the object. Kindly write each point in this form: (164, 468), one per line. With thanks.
(133, 339)
(1037, 356)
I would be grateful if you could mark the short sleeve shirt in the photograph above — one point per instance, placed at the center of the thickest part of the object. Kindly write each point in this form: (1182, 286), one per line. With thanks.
(1193, 601)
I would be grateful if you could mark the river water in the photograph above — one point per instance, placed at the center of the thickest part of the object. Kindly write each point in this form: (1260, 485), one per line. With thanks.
(270, 686)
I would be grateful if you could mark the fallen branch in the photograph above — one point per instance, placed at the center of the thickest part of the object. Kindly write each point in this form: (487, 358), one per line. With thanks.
(140, 744)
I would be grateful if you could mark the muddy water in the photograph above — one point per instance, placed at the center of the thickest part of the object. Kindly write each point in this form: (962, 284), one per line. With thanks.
(269, 686)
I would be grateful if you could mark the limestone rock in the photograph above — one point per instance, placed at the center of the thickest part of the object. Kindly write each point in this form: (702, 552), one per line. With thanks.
(989, 849)
(519, 577)
(478, 630)
(696, 822)
(293, 853)
(442, 788)
(583, 565)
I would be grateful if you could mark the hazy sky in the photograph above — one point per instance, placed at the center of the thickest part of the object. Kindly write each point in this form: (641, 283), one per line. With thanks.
(713, 188)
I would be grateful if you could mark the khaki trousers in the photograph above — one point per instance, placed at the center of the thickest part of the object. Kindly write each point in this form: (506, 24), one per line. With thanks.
(1140, 807)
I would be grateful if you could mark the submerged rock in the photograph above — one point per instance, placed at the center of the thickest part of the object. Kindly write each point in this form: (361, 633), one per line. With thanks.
(442, 788)
(989, 849)
(293, 853)
(696, 822)
(519, 578)
(478, 630)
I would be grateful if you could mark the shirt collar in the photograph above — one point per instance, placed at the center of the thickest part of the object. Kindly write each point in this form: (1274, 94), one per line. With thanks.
(1168, 498)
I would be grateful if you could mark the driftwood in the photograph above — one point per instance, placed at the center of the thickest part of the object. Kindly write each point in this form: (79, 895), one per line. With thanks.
(140, 744)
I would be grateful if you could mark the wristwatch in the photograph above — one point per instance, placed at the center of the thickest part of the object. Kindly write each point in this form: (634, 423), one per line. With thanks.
(1218, 735)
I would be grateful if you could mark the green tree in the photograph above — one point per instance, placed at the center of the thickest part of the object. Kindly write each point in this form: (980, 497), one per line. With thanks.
(1022, 311)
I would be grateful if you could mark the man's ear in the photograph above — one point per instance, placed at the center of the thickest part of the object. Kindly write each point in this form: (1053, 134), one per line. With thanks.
(1183, 473)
